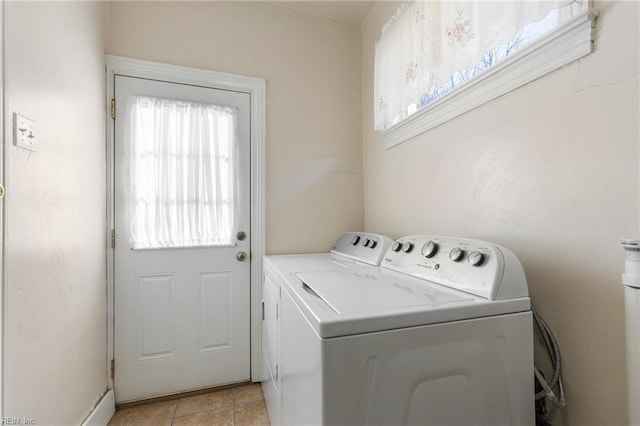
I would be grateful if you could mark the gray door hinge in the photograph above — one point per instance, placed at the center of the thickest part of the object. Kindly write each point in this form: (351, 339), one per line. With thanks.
(113, 238)
(113, 109)
(263, 310)
(113, 368)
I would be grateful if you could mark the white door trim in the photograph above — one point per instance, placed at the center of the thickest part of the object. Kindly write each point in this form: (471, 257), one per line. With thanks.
(3, 215)
(117, 65)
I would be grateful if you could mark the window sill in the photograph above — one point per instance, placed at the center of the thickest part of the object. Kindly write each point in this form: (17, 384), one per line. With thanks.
(560, 47)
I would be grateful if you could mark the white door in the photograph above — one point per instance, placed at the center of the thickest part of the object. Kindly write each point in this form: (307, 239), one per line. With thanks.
(182, 217)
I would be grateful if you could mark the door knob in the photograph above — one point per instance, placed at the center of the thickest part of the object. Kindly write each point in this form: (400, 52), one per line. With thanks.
(241, 235)
(241, 256)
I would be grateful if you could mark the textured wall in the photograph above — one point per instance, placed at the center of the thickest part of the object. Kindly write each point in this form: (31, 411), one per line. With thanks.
(550, 171)
(312, 68)
(55, 329)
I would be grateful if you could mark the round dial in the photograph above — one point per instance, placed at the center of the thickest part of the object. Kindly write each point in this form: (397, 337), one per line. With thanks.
(456, 254)
(397, 246)
(475, 258)
(355, 240)
(407, 247)
(365, 242)
(372, 243)
(430, 249)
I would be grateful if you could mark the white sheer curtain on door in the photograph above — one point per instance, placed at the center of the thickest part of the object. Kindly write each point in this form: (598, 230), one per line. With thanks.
(182, 173)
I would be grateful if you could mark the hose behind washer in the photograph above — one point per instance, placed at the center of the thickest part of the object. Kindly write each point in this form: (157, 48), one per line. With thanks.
(554, 353)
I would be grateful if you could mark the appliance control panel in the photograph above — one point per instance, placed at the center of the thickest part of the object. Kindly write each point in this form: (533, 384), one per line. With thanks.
(362, 246)
(472, 266)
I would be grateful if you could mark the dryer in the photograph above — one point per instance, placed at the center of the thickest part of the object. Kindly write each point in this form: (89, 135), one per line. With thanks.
(441, 333)
(352, 250)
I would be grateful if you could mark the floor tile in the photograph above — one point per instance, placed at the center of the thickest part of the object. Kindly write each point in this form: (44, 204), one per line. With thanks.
(155, 413)
(205, 402)
(252, 414)
(220, 417)
(248, 393)
(215, 408)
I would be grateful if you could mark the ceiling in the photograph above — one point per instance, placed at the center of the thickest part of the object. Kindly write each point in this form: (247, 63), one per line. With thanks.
(343, 10)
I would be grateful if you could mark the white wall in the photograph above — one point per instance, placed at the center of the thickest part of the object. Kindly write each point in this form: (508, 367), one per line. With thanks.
(55, 328)
(550, 171)
(312, 69)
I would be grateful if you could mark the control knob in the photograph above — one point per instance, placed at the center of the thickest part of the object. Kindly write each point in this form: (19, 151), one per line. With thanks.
(430, 249)
(397, 246)
(355, 240)
(456, 254)
(372, 243)
(365, 242)
(475, 258)
(407, 247)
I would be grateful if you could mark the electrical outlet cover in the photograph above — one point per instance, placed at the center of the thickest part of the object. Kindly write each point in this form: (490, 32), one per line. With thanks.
(24, 132)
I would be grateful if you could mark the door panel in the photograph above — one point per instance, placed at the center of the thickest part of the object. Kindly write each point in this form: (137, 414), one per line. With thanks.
(215, 309)
(181, 313)
(157, 327)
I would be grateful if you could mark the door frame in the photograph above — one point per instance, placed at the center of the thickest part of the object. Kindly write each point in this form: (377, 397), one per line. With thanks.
(255, 87)
(4, 139)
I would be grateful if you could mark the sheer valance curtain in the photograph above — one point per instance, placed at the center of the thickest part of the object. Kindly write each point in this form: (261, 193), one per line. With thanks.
(183, 174)
(428, 48)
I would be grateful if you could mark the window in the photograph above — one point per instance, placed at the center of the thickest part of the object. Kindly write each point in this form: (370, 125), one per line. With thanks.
(182, 173)
(438, 59)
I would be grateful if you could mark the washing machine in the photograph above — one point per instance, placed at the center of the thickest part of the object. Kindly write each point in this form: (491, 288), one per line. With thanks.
(352, 250)
(440, 334)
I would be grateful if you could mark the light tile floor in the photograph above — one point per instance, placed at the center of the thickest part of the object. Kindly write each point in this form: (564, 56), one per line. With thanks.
(241, 406)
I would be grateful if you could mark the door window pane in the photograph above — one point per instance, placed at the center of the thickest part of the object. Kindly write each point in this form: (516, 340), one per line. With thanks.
(182, 173)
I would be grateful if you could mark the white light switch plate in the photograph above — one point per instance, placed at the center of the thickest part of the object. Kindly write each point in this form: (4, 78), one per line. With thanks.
(24, 132)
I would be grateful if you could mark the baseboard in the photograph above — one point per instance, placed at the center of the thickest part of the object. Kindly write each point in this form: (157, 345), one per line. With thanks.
(103, 411)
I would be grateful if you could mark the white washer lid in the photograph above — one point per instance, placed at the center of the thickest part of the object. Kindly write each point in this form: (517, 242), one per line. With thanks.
(365, 300)
(292, 263)
(361, 291)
